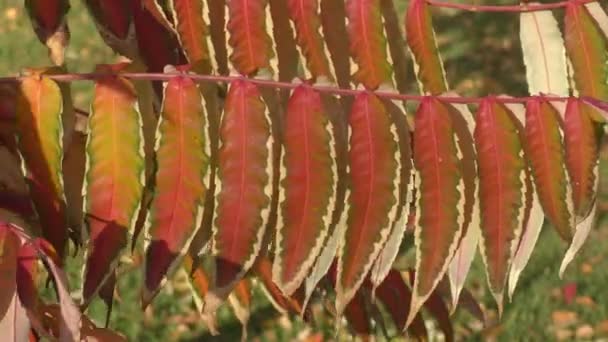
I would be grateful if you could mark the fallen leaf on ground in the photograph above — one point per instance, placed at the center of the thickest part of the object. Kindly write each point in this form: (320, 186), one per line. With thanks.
(563, 319)
(584, 332)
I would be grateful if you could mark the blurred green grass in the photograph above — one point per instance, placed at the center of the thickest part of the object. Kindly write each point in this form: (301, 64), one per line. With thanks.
(482, 56)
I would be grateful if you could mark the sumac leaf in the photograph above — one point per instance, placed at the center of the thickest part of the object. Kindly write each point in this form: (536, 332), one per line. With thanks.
(192, 32)
(40, 134)
(501, 166)
(439, 218)
(334, 31)
(421, 40)
(581, 148)
(544, 53)
(396, 297)
(586, 47)
(157, 45)
(546, 154)
(251, 44)
(49, 22)
(581, 143)
(114, 178)
(464, 126)
(373, 195)
(386, 257)
(262, 269)
(114, 21)
(307, 23)
(308, 188)
(368, 43)
(287, 61)
(243, 185)
(182, 180)
(217, 33)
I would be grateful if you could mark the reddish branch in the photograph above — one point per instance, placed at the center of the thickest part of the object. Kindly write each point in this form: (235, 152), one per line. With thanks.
(282, 85)
(507, 8)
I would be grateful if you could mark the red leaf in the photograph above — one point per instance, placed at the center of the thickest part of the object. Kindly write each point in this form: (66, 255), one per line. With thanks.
(182, 180)
(586, 46)
(192, 30)
(114, 15)
(305, 15)
(308, 188)
(374, 191)
(440, 203)
(287, 55)
(157, 45)
(581, 147)
(114, 181)
(263, 270)
(334, 32)
(217, 32)
(244, 184)
(421, 40)
(396, 296)
(501, 174)
(251, 44)
(368, 43)
(39, 124)
(115, 23)
(546, 154)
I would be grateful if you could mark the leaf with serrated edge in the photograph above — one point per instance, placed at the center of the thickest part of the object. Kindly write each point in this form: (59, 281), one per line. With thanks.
(581, 148)
(501, 166)
(587, 48)
(251, 44)
(440, 203)
(464, 126)
(244, 187)
(396, 45)
(420, 36)
(533, 216)
(40, 141)
(338, 223)
(305, 17)
(307, 189)
(216, 17)
(582, 151)
(580, 235)
(182, 180)
(287, 59)
(333, 14)
(191, 30)
(326, 257)
(546, 155)
(544, 53)
(373, 195)
(368, 43)
(384, 261)
(113, 180)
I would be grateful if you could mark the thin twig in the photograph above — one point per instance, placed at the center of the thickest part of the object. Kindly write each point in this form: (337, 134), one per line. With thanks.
(392, 95)
(507, 8)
